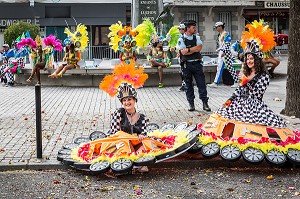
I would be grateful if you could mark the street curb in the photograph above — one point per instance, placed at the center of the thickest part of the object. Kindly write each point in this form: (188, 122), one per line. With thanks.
(215, 163)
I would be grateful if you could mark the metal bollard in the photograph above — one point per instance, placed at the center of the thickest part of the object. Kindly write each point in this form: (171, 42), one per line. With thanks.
(38, 114)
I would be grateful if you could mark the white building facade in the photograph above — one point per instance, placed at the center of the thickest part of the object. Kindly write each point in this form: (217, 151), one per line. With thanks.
(98, 15)
(235, 13)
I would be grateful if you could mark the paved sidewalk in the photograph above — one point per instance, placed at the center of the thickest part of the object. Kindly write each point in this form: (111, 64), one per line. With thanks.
(68, 113)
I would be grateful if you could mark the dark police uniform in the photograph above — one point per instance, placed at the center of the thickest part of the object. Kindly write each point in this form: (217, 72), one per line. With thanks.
(193, 68)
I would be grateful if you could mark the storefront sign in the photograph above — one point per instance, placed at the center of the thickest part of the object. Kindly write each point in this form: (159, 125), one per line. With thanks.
(274, 14)
(148, 9)
(277, 4)
(9, 22)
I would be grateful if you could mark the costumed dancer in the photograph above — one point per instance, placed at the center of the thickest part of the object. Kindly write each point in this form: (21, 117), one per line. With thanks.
(158, 58)
(6, 76)
(127, 119)
(159, 45)
(123, 39)
(224, 56)
(131, 141)
(75, 44)
(4, 60)
(123, 82)
(42, 57)
(245, 124)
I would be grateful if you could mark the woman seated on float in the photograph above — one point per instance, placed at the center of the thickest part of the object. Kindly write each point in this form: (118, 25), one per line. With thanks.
(70, 60)
(157, 58)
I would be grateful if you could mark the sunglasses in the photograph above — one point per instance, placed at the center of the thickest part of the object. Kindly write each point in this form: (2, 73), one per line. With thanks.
(181, 28)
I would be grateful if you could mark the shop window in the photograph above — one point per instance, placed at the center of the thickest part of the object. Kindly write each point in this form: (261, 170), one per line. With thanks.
(192, 16)
(226, 18)
(100, 35)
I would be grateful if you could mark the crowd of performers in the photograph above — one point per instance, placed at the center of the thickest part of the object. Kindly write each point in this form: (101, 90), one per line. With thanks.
(40, 52)
(243, 126)
(12, 62)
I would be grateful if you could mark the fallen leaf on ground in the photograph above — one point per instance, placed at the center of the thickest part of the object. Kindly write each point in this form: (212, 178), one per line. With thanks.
(200, 191)
(56, 182)
(270, 177)
(292, 188)
(107, 188)
(138, 192)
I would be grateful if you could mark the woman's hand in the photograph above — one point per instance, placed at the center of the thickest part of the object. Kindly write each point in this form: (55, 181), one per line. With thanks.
(141, 137)
(227, 103)
(241, 75)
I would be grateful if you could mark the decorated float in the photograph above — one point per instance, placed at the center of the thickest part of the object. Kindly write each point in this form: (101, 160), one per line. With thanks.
(100, 153)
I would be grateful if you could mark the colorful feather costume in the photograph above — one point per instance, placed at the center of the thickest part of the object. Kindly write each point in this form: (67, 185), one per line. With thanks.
(79, 37)
(257, 33)
(123, 39)
(146, 33)
(26, 42)
(123, 73)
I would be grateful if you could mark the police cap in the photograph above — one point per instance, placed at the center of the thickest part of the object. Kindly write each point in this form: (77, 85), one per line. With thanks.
(189, 23)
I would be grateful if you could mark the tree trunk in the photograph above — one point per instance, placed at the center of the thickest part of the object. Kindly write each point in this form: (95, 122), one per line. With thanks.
(292, 104)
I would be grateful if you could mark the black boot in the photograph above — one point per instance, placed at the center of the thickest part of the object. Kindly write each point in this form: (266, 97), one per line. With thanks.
(192, 106)
(206, 107)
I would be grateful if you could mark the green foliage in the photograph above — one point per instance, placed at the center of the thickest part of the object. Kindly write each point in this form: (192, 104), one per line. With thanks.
(14, 31)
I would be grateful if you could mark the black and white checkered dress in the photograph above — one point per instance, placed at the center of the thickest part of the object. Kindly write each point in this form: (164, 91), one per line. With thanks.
(247, 105)
(228, 61)
(120, 121)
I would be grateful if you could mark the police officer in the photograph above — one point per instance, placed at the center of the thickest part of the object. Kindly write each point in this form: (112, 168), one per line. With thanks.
(190, 46)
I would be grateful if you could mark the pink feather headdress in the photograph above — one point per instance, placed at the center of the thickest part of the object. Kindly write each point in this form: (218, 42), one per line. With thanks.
(26, 41)
(51, 40)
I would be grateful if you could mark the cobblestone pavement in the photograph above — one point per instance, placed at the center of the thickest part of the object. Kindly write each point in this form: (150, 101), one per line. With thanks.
(69, 112)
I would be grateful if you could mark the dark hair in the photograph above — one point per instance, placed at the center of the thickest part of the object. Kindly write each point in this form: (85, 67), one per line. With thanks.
(155, 45)
(71, 48)
(259, 65)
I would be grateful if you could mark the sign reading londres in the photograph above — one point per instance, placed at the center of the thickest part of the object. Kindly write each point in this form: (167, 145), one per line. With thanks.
(148, 9)
(277, 4)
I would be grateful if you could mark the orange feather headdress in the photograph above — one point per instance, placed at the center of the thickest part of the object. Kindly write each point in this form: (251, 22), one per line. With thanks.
(123, 73)
(258, 39)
